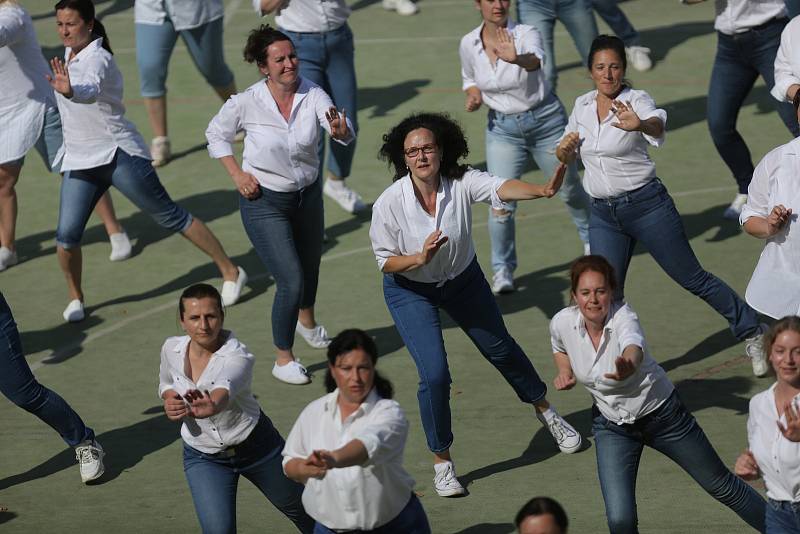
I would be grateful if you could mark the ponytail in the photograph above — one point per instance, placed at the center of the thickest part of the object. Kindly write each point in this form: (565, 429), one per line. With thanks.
(100, 31)
(85, 9)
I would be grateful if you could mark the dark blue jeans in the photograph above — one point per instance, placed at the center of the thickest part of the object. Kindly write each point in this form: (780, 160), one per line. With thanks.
(213, 479)
(468, 300)
(648, 215)
(740, 59)
(19, 385)
(286, 231)
(410, 520)
(783, 517)
(674, 432)
(610, 12)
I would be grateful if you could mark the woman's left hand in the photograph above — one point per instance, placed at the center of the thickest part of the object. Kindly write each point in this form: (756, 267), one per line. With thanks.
(59, 81)
(338, 122)
(554, 184)
(792, 429)
(624, 369)
(628, 119)
(201, 405)
(505, 48)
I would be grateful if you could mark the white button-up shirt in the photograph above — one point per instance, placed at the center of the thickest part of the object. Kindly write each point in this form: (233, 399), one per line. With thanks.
(400, 225)
(778, 458)
(504, 87)
(231, 368)
(310, 16)
(774, 288)
(787, 61)
(738, 16)
(360, 497)
(184, 14)
(93, 120)
(26, 93)
(616, 161)
(281, 155)
(619, 401)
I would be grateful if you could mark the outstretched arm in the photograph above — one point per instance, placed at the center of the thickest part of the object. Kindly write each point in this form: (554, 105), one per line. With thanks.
(519, 190)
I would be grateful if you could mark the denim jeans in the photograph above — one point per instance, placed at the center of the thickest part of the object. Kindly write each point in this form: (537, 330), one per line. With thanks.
(576, 15)
(674, 432)
(19, 385)
(740, 59)
(213, 480)
(154, 45)
(510, 141)
(648, 215)
(468, 300)
(134, 177)
(327, 60)
(286, 229)
(783, 517)
(410, 520)
(610, 12)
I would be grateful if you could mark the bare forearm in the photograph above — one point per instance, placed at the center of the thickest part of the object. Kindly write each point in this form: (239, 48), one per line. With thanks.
(354, 453)
(268, 6)
(402, 264)
(634, 354)
(230, 164)
(757, 227)
(528, 62)
(563, 366)
(294, 470)
(652, 127)
(519, 190)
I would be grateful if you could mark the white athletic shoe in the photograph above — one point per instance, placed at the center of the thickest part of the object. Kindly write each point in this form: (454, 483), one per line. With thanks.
(291, 373)
(231, 291)
(754, 348)
(316, 337)
(90, 458)
(348, 199)
(445, 482)
(403, 7)
(567, 438)
(733, 211)
(639, 57)
(7, 258)
(74, 312)
(120, 246)
(502, 282)
(160, 150)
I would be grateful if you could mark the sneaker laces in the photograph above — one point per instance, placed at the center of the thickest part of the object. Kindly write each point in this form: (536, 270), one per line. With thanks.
(87, 454)
(559, 431)
(754, 347)
(446, 477)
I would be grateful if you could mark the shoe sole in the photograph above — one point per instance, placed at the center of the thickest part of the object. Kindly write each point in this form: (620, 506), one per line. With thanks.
(453, 493)
(571, 450)
(291, 383)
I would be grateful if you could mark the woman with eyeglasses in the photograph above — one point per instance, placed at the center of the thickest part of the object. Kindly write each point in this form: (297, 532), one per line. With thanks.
(422, 238)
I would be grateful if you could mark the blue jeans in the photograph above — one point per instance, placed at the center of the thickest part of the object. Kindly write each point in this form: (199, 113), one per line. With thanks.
(576, 15)
(740, 59)
(674, 432)
(327, 60)
(468, 300)
(410, 520)
(783, 517)
(19, 385)
(610, 12)
(213, 480)
(154, 45)
(286, 231)
(134, 177)
(510, 141)
(648, 215)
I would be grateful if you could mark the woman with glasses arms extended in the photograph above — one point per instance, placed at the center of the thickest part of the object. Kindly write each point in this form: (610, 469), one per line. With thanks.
(422, 238)
(104, 149)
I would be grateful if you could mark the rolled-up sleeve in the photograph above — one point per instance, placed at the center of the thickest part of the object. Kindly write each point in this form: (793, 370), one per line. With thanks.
(383, 233)
(645, 108)
(86, 89)
(165, 381)
(482, 187)
(386, 434)
(629, 331)
(222, 129)
(785, 76)
(296, 446)
(556, 343)
(467, 67)
(758, 203)
(236, 374)
(530, 42)
(11, 26)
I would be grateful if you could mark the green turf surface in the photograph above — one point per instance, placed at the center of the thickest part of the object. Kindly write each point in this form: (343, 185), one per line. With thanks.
(107, 366)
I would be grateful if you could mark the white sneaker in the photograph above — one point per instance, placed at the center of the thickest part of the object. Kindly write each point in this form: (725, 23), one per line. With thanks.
(639, 57)
(90, 458)
(502, 282)
(754, 348)
(403, 7)
(160, 151)
(445, 482)
(232, 290)
(586, 249)
(7, 258)
(567, 438)
(733, 211)
(74, 313)
(120, 246)
(348, 199)
(316, 337)
(291, 373)
(239, 137)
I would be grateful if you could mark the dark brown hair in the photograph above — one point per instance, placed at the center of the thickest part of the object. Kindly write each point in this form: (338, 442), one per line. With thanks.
(594, 263)
(349, 340)
(542, 506)
(85, 9)
(259, 39)
(200, 291)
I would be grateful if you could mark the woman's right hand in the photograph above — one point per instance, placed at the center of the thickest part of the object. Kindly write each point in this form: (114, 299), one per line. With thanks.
(174, 406)
(59, 81)
(564, 381)
(567, 149)
(746, 467)
(431, 246)
(246, 184)
(777, 219)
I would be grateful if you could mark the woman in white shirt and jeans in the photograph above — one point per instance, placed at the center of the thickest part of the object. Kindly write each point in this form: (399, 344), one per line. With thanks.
(501, 66)
(281, 194)
(104, 149)
(347, 448)
(599, 343)
(204, 380)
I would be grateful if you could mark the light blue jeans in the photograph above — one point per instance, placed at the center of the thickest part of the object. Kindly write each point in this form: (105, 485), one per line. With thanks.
(783, 517)
(510, 141)
(576, 15)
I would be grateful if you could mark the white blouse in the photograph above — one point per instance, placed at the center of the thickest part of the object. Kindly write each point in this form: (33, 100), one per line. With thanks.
(93, 120)
(504, 87)
(739, 16)
(231, 368)
(622, 402)
(774, 288)
(26, 92)
(778, 458)
(360, 497)
(281, 155)
(184, 14)
(616, 161)
(400, 225)
(787, 61)
(310, 16)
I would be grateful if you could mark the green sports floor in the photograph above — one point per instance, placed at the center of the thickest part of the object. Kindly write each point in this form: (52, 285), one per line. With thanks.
(107, 366)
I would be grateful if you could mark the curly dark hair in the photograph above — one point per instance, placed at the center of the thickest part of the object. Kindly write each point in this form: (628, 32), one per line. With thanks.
(449, 137)
(255, 51)
(349, 340)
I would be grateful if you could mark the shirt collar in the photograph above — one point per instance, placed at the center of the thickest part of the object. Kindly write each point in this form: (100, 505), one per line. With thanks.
(88, 49)
(364, 408)
(608, 328)
(303, 88)
(592, 100)
(227, 347)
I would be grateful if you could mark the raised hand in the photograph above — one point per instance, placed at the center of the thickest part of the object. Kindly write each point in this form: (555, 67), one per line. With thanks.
(505, 48)
(431, 246)
(628, 119)
(567, 149)
(746, 466)
(201, 405)
(338, 122)
(175, 407)
(624, 369)
(59, 81)
(554, 184)
(564, 381)
(778, 218)
(792, 429)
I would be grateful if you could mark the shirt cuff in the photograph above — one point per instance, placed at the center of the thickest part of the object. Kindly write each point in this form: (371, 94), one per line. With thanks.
(497, 203)
(220, 149)
(631, 338)
(748, 212)
(467, 84)
(662, 115)
(381, 262)
(371, 444)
